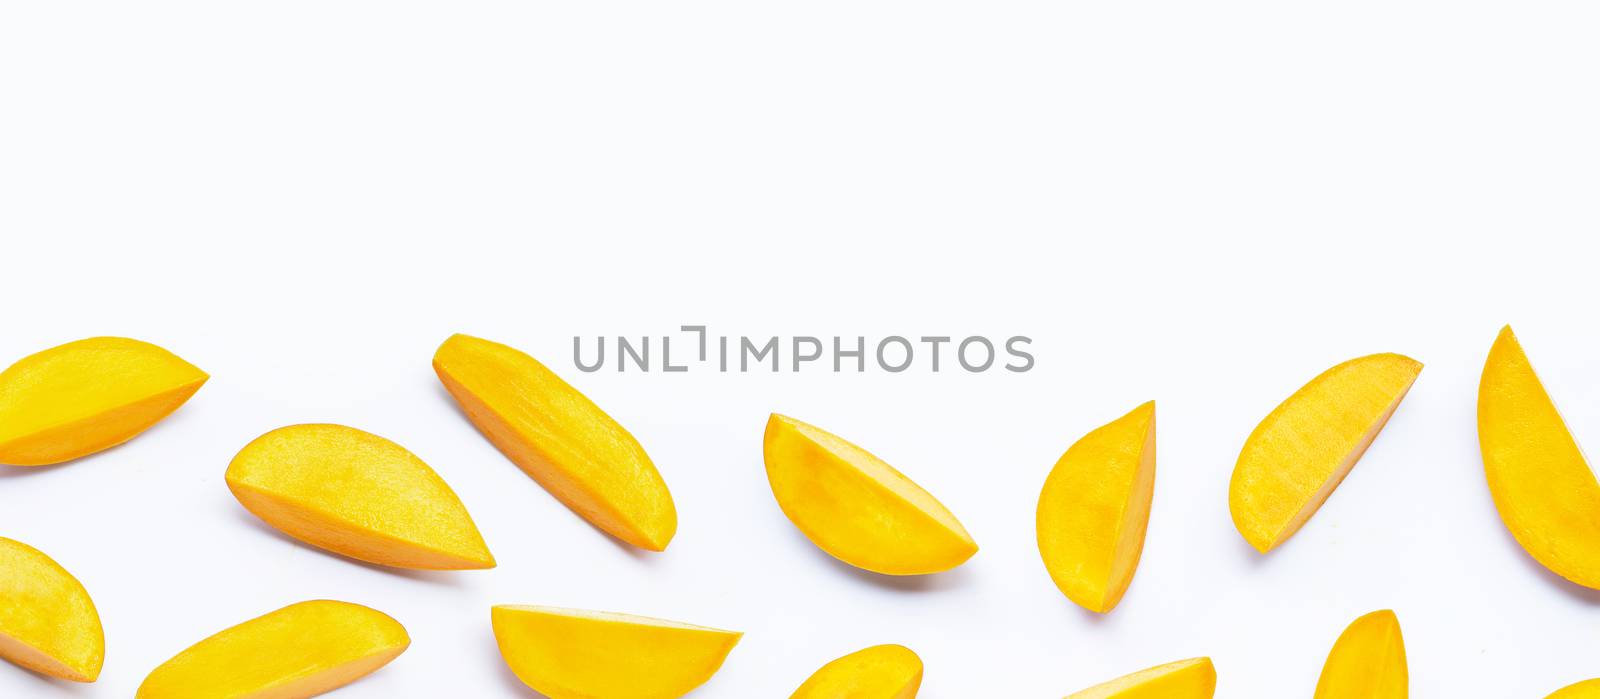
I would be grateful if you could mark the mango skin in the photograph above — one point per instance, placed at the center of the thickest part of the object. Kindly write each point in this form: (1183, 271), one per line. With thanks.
(1587, 689)
(577, 654)
(560, 438)
(879, 672)
(87, 396)
(299, 651)
(1195, 678)
(1367, 662)
(48, 624)
(359, 495)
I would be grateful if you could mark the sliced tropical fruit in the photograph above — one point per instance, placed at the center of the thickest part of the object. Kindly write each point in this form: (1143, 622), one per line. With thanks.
(356, 494)
(879, 672)
(576, 654)
(1300, 453)
(1094, 509)
(88, 396)
(560, 438)
(1542, 485)
(1367, 662)
(1587, 689)
(299, 651)
(856, 507)
(1186, 679)
(48, 624)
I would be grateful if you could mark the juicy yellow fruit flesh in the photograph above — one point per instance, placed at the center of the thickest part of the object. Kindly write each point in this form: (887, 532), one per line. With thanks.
(1094, 509)
(48, 624)
(87, 396)
(1587, 689)
(1306, 446)
(856, 507)
(879, 672)
(560, 438)
(299, 651)
(1195, 678)
(356, 494)
(576, 654)
(1367, 662)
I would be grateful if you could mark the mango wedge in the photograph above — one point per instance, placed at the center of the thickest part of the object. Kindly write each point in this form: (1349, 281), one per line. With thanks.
(575, 654)
(1367, 662)
(87, 396)
(879, 672)
(1186, 679)
(299, 651)
(560, 438)
(856, 507)
(1587, 689)
(1094, 509)
(48, 624)
(1304, 449)
(356, 494)
(1542, 485)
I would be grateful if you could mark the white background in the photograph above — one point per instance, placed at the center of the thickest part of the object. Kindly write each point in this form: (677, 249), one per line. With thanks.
(1204, 203)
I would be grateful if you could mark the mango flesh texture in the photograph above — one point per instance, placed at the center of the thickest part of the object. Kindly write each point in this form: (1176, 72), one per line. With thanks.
(359, 495)
(1095, 507)
(48, 624)
(560, 438)
(1542, 485)
(1186, 679)
(856, 507)
(1367, 662)
(1304, 449)
(576, 654)
(1587, 689)
(299, 651)
(879, 672)
(87, 396)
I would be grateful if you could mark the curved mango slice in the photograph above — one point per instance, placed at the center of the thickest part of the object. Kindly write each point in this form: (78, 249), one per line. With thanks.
(1367, 662)
(1195, 678)
(879, 672)
(1305, 447)
(856, 507)
(299, 651)
(1094, 509)
(560, 438)
(1587, 689)
(356, 494)
(1541, 484)
(576, 654)
(87, 396)
(48, 624)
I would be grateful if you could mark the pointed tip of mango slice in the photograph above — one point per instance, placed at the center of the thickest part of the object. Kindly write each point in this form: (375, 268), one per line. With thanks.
(1195, 678)
(48, 623)
(1368, 660)
(579, 653)
(879, 672)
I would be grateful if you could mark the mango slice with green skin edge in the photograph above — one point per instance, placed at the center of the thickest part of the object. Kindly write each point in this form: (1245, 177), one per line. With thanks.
(1367, 662)
(879, 672)
(1587, 689)
(1095, 507)
(48, 624)
(560, 438)
(1306, 446)
(87, 396)
(857, 508)
(578, 654)
(1195, 678)
(301, 650)
(358, 495)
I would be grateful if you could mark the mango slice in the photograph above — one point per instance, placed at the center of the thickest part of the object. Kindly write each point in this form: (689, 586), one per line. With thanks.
(1094, 509)
(879, 672)
(1305, 447)
(1367, 662)
(560, 438)
(856, 507)
(299, 651)
(87, 396)
(1543, 487)
(48, 624)
(1195, 678)
(1587, 689)
(576, 654)
(356, 494)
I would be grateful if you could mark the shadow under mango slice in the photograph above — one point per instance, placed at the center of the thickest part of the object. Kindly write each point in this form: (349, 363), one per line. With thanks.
(48, 624)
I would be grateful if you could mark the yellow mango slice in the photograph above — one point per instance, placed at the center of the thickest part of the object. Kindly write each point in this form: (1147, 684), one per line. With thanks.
(576, 654)
(356, 494)
(87, 396)
(1587, 689)
(560, 438)
(1367, 662)
(299, 651)
(1195, 678)
(879, 672)
(1543, 487)
(1094, 509)
(1304, 449)
(48, 624)
(856, 507)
